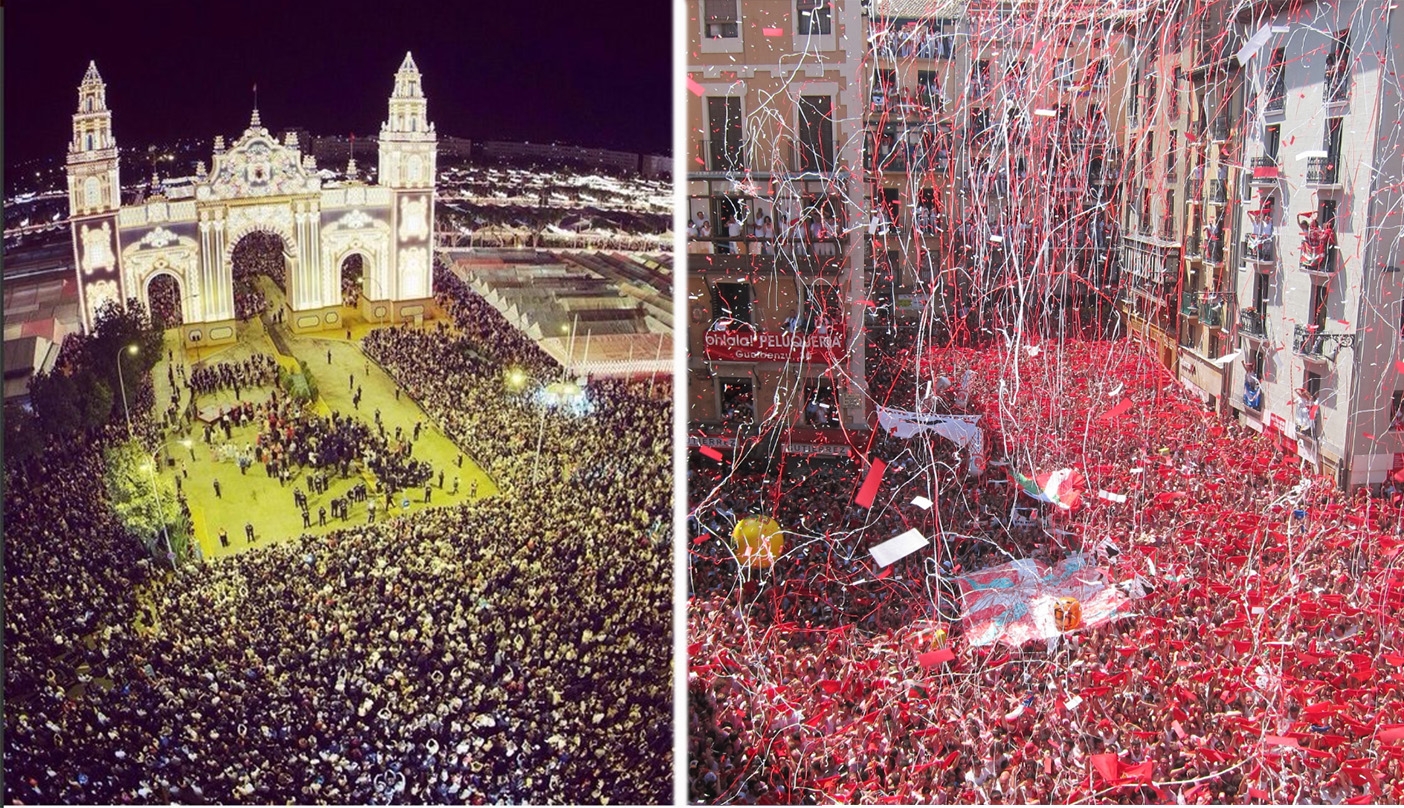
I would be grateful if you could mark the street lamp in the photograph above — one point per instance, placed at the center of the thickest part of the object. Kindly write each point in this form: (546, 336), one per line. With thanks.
(156, 489)
(130, 350)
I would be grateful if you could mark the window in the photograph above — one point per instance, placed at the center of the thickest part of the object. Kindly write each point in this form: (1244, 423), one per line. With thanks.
(1312, 383)
(1100, 75)
(92, 193)
(1272, 142)
(1277, 80)
(979, 121)
(820, 406)
(1338, 68)
(1066, 72)
(1134, 94)
(722, 19)
(1167, 229)
(929, 88)
(980, 78)
(738, 401)
(884, 88)
(1175, 92)
(724, 133)
(816, 130)
(815, 17)
(1333, 144)
(731, 301)
(1396, 412)
(823, 309)
(1260, 293)
(1171, 155)
(1317, 315)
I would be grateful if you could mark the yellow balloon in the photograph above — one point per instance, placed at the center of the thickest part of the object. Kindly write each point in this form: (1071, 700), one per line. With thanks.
(759, 541)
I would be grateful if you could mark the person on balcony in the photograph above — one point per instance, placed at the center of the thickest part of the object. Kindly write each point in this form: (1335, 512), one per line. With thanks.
(766, 233)
(1252, 391)
(1317, 244)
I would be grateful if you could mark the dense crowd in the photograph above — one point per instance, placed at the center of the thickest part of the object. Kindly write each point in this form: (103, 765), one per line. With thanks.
(260, 253)
(516, 648)
(292, 437)
(256, 371)
(249, 301)
(1264, 664)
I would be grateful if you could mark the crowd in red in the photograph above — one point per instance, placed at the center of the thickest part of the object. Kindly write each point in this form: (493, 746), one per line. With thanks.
(1265, 664)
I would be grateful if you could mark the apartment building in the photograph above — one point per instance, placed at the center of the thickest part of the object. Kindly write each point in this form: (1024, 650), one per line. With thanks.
(1319, 281)
(992, 161)
(1214, 197)
(774, 271)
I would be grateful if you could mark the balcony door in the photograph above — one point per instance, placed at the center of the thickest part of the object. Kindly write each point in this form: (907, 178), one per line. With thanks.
(816, 131)
(724, 133)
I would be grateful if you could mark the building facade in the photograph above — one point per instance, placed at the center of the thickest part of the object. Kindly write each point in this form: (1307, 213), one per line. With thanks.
(776, 289)
(1320, 289)
(258, 184)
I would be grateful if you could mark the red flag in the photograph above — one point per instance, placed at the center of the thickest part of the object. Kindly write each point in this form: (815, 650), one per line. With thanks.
(1106, 765)
(933, 658)
(1117, 410)
(868, 492)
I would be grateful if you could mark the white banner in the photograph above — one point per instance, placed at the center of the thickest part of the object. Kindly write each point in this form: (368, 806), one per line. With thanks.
(962, 430)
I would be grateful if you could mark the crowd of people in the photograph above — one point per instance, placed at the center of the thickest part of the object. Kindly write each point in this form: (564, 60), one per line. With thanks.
(1263, 662)
(293, 437)
(512, 649)
(249, 300)
(256, 371)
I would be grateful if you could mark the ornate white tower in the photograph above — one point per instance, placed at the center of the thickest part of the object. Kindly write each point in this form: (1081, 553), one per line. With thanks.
(408, 148)
(94, 197)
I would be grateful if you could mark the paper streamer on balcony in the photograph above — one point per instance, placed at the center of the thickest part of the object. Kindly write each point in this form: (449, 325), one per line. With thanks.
(899, 547)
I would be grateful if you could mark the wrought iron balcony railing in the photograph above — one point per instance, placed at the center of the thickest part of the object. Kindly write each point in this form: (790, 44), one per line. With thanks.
(1252, 323)
(1321, 171)
(1259, 250)
(1218, 192)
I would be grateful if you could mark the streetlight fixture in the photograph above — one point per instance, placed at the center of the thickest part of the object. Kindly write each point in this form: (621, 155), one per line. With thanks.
(130, 350)
(156, 489)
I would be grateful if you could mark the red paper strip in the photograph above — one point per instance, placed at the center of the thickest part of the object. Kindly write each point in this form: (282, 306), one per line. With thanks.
(695, 88)
(868, 492)
(933, 658)
(1117, 410)
(773, 31)
(708, 451)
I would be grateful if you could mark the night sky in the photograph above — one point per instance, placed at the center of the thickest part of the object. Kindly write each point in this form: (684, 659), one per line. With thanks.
(589, 75)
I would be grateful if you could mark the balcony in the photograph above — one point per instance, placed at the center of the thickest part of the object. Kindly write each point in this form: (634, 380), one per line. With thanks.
(1259, 250)
(1194, 191)
(1337, 90)
(1218, 192)
(1214, 251)
(1172, 174)
(1309, 343)
(1219, 129)
(1252, 324)
(1321, 265)
(1322, 171)
(724, 155)
(1167, 228)
(1265, 171)
(1276, 102)
(1212, 311)
(1189, 304)
(1192, 247)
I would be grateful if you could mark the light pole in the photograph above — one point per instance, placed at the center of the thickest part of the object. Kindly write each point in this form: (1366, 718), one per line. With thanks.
(130, 350)
(156, 489)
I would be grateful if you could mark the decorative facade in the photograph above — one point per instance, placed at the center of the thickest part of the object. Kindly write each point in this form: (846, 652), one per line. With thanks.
(257, 184)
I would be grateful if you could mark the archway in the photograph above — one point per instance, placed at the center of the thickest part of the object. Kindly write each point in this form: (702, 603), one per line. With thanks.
(353, 274)
(163, 300)
(254, 254)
